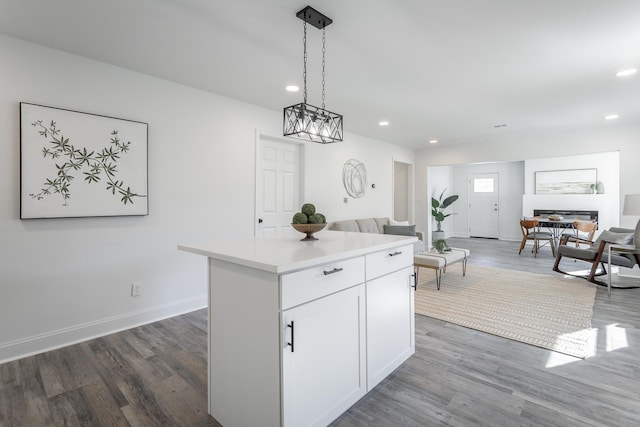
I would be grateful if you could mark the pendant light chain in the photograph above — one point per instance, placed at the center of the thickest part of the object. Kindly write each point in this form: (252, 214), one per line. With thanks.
(323, 51)
(304, 72)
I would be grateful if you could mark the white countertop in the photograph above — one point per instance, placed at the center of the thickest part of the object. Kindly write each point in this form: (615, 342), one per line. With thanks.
(287, 254)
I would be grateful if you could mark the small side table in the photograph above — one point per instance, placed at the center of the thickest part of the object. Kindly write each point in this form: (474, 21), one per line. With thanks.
(621, 249)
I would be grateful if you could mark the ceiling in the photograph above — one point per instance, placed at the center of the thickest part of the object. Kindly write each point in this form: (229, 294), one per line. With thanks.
(446, 70)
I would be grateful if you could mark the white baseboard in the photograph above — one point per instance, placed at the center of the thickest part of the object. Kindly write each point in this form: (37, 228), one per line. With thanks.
(52, 340)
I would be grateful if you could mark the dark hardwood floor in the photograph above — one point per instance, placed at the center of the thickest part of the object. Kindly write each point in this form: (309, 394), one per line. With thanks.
(156, 375)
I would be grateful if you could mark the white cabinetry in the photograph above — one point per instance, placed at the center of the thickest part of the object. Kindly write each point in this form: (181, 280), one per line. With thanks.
(390, 312)
(298, 333)
(323, 344)
(323, 358)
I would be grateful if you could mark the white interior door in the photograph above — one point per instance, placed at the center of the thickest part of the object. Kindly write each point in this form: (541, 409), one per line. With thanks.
(277, 186)
(484, 206)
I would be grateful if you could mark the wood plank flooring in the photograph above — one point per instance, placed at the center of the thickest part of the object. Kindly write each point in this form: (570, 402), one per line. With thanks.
(462, 377)
(156, 375)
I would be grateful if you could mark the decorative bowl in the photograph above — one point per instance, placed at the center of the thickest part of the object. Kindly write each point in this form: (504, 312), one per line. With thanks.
(554, 217)
(309, 229)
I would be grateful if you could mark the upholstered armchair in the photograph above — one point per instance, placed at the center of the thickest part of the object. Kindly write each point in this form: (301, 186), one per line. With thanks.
(596, 253)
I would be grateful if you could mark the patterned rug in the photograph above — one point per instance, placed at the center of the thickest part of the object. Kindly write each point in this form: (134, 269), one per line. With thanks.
(551, 312)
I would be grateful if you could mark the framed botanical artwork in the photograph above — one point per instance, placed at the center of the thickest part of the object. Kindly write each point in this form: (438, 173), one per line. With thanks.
(570, 181)
(75, 164)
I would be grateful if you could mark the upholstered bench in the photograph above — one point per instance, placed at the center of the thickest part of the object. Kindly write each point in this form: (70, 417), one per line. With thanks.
(439, 262)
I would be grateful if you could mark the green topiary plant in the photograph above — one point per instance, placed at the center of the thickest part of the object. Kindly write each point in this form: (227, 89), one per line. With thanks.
(308, 209)
(439, 205)
(316, 219)
(308, 215)
(300, 218)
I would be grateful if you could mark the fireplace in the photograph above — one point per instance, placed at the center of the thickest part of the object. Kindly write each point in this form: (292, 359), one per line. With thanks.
(568, 214)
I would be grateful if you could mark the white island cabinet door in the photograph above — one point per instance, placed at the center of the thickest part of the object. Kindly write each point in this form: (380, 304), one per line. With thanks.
(323, 358)
(390, 323)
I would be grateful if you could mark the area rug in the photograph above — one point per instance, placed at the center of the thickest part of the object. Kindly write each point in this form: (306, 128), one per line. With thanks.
(547, 311)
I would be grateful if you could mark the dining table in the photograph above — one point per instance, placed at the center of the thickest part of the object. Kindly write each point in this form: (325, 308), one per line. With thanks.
(555, 226)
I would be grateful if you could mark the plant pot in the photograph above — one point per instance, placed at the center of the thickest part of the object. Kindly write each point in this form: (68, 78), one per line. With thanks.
(437, 235)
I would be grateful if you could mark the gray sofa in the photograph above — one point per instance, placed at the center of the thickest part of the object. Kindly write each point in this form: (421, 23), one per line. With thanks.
(377, 225)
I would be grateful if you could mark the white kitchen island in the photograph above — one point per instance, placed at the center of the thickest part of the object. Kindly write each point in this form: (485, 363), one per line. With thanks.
(300, 331)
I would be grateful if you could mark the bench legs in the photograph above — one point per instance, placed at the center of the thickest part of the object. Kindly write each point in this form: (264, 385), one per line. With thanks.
(441, 267)
(439, 271)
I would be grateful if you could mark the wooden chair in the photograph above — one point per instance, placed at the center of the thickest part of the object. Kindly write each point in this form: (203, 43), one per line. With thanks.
(531, 231)
(582, 233)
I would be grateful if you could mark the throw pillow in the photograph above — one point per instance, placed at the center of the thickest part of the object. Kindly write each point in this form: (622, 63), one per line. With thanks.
(400, 230)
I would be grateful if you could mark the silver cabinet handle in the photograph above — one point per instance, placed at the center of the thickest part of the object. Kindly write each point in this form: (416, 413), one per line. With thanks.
(335, 270)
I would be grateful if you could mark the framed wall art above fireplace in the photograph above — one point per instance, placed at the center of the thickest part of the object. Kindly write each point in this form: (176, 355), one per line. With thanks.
(570, 181)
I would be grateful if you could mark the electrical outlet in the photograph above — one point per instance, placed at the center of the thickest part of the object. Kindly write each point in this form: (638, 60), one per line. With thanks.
(136, 289)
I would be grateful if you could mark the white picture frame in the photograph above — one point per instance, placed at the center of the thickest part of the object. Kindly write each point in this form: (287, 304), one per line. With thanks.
(569, 181)
(75, 164)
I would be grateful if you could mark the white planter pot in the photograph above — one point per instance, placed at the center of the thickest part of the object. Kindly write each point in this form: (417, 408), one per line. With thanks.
(437, 235)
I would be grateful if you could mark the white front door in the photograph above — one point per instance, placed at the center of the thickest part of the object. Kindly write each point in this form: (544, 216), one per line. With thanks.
(484, 207)
(277, 186)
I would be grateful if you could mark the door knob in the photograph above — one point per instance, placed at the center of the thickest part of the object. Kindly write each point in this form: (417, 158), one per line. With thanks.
(259, 220)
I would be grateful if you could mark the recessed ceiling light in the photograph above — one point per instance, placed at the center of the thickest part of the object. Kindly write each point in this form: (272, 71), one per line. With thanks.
(292, 88)
(383, 123)
(627, 72)
(611, 117)
(433, 141)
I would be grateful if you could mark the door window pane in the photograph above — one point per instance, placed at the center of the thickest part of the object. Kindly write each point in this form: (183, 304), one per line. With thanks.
(483, 185)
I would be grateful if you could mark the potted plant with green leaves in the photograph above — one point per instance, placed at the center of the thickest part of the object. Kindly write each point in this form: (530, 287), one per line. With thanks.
(437, 212)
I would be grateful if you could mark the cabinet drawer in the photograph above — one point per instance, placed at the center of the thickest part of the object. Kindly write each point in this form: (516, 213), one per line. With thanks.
(387, 261)
(306, 285)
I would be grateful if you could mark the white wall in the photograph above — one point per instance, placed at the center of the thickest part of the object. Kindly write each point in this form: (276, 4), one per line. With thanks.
(325, 189)
(621, 137)
(607, 204)
(65, 280)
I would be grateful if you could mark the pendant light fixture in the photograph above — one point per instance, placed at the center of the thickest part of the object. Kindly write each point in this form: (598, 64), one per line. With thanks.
(304, 120)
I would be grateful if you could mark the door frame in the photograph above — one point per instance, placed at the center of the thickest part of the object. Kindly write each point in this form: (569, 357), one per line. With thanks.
(259, 135)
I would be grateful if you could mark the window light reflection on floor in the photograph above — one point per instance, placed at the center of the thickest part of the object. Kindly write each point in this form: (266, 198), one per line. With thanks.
(556, 359)
(616, 337)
